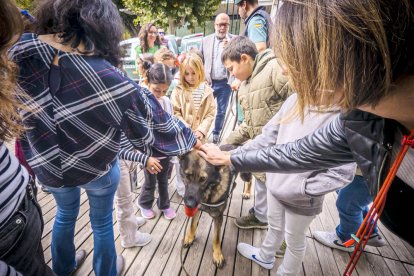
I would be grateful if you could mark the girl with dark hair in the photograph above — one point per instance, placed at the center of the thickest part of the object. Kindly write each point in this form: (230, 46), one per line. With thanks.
(159, 79)
(144, 62)
(149, 39)
(83, 103)
(21, 221)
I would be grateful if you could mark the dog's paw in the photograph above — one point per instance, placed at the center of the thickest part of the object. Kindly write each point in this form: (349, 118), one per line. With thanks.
(218, 260)
(246, 195)
(188, 241)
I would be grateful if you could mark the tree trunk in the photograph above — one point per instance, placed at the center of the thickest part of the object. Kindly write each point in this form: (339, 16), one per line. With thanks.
(172, 27)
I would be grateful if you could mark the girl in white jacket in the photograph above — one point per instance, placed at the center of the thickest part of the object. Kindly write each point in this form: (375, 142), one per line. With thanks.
(294, 200)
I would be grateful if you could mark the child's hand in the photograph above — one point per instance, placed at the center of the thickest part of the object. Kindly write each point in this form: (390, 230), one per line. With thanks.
(153, 165)
(199, 135)
(235, 85)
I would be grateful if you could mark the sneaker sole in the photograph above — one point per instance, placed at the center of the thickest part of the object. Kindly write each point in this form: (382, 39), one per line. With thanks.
(250, 226)
(136, 245)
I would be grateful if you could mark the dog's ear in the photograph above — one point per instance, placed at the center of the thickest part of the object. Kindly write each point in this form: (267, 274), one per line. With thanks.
(227, 147)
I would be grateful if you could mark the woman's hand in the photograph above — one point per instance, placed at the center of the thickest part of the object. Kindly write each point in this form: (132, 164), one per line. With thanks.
(153, 165)
(198, 144)
(212, 154)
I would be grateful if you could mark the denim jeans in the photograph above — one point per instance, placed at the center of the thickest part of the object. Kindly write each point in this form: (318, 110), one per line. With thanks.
(146, 199)
(20, 240)
(352, 205)
(101, 196)
(222, 93)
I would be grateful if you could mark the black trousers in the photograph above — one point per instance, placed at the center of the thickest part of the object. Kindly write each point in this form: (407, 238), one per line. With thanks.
(20, 239)
(146, 199)
(398, 212)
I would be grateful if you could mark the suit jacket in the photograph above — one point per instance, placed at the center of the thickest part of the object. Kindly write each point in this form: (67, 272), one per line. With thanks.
(207, 52)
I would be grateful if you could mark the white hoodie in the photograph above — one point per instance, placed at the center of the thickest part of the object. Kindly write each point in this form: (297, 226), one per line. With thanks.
(302, 193)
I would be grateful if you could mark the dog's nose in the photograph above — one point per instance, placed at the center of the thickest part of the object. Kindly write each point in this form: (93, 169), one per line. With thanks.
(190, 201)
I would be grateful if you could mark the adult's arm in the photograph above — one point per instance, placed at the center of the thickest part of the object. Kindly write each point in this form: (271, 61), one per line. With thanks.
(327, 147)
(152, 130)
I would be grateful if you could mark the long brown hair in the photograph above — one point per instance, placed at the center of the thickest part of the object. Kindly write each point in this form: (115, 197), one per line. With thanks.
(143, 38)
(357, 48)
(11, 27)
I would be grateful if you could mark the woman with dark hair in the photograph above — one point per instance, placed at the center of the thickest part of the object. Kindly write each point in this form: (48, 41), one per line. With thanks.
(149, 39)
(82, 103)
(21, 223)
(358, 55)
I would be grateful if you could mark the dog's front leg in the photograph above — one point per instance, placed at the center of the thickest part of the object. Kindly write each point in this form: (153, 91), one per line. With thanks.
(247, 189)
(218, 258)
(189, 237)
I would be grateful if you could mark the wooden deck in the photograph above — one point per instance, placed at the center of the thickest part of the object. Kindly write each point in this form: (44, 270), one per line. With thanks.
(162, 255)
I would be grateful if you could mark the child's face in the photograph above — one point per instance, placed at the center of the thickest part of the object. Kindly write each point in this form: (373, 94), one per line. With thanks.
(240, 70)
(158, 90)
(190, 76)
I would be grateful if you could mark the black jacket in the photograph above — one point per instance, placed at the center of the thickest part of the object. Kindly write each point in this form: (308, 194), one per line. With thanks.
(356, 136)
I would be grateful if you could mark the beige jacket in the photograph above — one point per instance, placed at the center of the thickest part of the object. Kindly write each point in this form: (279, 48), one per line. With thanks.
(183, 106)
(260, 97)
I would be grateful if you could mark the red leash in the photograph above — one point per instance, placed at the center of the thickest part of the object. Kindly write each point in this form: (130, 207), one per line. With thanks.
(370, 220)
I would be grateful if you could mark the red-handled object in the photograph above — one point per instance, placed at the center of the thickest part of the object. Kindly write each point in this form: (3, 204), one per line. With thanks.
(190, 212)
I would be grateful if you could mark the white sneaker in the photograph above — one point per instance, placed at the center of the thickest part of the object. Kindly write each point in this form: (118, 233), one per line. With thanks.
(141, 239)
(140, 221)
(330, 239)
(253, 253)
(376, 240)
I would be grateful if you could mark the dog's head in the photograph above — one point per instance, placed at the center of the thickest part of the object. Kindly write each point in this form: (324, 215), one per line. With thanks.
(199, 177)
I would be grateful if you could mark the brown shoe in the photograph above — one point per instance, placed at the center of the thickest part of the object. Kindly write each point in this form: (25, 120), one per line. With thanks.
(250, 222)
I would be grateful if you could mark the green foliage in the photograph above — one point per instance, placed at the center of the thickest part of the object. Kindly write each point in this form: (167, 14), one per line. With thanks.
(172, 12)
(25, 4)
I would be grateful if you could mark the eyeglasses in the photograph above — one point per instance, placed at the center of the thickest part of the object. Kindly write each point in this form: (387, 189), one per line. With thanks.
(224, 25)
(161, 33)
(153, 33)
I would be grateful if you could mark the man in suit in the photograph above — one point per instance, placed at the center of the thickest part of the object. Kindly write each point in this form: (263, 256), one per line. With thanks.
(216, 74)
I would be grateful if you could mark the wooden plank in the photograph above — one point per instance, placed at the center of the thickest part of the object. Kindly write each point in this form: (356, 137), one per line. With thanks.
(229, 247)
(163, 252)
(243, 266)
(396, 267)
(173, 265)
(207, 266)
(144, 256)
(397, 245)
(195, 253)
(311, 264)
(410, 269)
(372, 264)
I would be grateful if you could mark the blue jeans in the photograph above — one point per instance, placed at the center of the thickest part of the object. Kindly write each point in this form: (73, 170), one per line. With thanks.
(352, 205)
(222, 92)
(101, 196)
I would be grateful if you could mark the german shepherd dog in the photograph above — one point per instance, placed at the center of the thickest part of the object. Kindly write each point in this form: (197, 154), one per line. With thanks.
(209, 186)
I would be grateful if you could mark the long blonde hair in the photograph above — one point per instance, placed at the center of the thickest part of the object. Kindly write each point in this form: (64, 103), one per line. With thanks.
(11, 27)
(196, 63)
(357, 48)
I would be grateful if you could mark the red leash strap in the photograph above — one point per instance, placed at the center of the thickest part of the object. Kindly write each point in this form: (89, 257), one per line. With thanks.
(370, 220)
